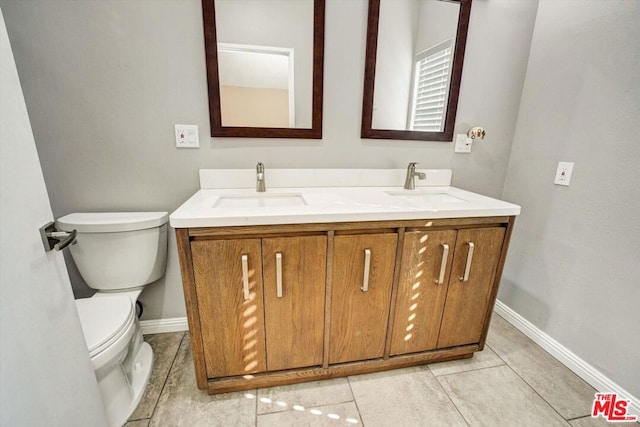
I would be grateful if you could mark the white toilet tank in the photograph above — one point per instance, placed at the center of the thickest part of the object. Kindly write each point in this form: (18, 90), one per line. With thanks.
(118, 250)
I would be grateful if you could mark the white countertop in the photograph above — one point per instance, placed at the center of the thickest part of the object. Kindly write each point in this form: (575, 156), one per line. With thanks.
(218, 207)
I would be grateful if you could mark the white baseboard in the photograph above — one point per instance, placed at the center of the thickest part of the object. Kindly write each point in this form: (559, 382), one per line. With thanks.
(160, 326)
(565, 356)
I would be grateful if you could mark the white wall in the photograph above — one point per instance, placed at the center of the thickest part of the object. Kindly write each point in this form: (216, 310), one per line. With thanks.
(573, 267)
(394, 63)
(104, 86)
(438, 22)
(46, 377)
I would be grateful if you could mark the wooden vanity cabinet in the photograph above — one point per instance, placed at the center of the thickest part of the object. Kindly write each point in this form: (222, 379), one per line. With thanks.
(362, 277)
(231, 325)
(440, 304)
(281, 315)
(280, 304)
(294, 303)
(422, 290)
(469, 294)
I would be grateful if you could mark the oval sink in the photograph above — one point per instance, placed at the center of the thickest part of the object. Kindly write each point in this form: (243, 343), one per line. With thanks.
(259, 200)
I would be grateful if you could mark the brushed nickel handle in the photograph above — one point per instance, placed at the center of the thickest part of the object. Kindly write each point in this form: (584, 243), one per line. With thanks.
(467, 267)
(443, 264)
(367, 269)
(54, 239)
(245, 276)
(278, 275)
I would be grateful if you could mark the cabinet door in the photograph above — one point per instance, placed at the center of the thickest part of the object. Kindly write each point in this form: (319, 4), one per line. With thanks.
(232, 325)
(359, 314)
(294, 286)
(468, 297)
(422, 289)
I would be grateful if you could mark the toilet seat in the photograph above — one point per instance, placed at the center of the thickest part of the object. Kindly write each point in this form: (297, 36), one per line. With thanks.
(104, 321)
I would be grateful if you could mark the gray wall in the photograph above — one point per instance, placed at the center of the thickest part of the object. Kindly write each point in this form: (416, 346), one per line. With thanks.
(573, 267)
(105, 81)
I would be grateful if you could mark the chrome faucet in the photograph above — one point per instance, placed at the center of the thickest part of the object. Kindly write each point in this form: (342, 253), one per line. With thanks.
(409, 182)
(260, 186)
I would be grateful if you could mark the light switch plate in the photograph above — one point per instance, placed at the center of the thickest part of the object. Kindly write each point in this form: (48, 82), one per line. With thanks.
(463, 143)
(187, 136)
(563, 174)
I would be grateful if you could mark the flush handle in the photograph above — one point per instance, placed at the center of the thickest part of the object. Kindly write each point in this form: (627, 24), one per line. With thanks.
(443, 264)
(245, 276)
(54, 239)
(467, 268)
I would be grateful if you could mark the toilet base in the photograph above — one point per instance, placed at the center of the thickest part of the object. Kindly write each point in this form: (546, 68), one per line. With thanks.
(123, 388)
(140, 375)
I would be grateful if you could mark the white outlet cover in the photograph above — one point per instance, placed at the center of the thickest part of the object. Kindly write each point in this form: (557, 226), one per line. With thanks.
(563, 173)
(463, 143)
(187, 136)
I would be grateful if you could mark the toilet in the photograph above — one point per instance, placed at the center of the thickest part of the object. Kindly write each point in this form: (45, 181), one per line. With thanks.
(117, 254)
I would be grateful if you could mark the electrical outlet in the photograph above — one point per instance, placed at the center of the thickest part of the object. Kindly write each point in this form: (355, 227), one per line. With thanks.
(187, 136)
(463, 143)
(563, 174)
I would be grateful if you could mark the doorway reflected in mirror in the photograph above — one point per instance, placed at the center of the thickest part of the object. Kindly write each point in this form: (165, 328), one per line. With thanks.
(257, 86)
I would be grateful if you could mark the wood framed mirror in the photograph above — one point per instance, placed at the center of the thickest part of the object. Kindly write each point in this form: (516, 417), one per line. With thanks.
(265, 63)
(413, 68)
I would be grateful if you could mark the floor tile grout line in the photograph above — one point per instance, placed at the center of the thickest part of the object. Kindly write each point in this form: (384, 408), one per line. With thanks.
(256, 390)
(532, 342)
(578, 418)
(527, 383)
(539, 395)
(448, 396)
(469, 370)
(355, 401)
(466, 370)
(166, 378)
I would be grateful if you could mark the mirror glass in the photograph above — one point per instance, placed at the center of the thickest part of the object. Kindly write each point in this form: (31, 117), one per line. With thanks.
(413, 68)
(257, 86)
(264, 67)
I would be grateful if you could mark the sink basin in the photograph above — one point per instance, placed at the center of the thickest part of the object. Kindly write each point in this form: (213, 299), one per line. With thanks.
(424, 197)
(259, 200)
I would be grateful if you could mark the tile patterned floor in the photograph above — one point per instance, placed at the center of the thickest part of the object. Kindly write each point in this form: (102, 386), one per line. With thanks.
(513, 382)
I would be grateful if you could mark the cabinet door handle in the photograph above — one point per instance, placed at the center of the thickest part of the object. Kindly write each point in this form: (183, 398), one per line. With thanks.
(467, 267)
(367, 268)
(443, 264)
(245, 276)
(278, 275)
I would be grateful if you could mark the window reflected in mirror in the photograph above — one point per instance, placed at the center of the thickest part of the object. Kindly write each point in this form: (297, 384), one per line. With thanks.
(413, 70)
(430, 87)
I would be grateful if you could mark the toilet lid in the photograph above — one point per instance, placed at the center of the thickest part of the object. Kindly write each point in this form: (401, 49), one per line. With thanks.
(111, 222)
(104, 320)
